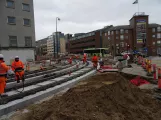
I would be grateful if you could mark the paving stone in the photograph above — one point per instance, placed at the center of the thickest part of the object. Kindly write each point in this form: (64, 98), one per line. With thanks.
(136, 70)
(75, 73)
(66, 76)
(12, 93)
(57, 79)
(45, 83)
(25, 89)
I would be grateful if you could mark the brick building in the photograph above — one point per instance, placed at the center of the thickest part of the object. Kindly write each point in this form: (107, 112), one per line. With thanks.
(117, 38)
(88, 40)
(92, 39)
(139, 35)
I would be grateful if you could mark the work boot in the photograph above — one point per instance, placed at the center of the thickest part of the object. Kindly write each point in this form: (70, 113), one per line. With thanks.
(3, 95)
(18, 78)
(18, 81)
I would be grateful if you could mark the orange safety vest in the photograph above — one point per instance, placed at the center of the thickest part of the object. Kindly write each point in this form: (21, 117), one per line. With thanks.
(94, 59)
(17, 65)
(3, 69)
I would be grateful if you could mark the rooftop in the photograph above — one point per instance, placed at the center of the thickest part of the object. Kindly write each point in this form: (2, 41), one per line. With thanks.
(154, 25)
(119, 27)
(140, 14)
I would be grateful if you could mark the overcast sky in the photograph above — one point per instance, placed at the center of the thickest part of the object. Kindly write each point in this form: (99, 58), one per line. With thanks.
(87, 15)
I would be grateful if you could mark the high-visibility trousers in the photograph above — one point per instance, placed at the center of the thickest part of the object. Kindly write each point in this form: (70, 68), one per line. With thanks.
(2, 84)
(19, 75)
(95, 63)
(84, 60)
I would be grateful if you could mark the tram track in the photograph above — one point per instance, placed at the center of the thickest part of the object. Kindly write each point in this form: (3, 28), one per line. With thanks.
(40, 87)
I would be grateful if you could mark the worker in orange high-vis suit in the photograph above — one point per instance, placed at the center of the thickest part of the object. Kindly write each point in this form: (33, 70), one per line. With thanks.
(18, 68)
(70, 60)
(3, 76)
(84, 58)
(95, 60)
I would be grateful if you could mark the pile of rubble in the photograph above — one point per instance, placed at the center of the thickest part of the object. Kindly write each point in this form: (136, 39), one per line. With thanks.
(102, 97)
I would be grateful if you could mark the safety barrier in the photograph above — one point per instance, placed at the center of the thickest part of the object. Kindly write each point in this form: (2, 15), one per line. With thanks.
(151, 69)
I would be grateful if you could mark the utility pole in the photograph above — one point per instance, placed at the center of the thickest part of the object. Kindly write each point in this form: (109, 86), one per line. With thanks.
(57, 49)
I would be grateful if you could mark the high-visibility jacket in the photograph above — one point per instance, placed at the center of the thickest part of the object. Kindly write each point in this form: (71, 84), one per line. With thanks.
(17, 66)
(3, 69)
(94, 59)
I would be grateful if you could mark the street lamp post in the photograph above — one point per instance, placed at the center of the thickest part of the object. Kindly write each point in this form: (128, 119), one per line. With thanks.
(57, 49)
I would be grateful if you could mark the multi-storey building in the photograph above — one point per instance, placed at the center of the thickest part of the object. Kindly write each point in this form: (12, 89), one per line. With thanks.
(62, 45)
(83, 41)
(138, 35)
(52, 47)
(17, 29)
(117, 38)
(41, 47)
(67, 38)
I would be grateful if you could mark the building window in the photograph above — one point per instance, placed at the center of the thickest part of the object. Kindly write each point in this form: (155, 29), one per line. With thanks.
(122, 44)
(153, 30)
(108, 32)
(13, 41)
(112, 32)
(158, 35)
(117, 37)
(126, 31)
(108, 38)
(159, 29)
(117, 32)
(26, 7)
(153, 36)
(126, 37)
(153, 43)
(158, 42)
(26, 22)
(10, 4)
(11, 20)
(121, 37)
(121, 31)
(28, 41)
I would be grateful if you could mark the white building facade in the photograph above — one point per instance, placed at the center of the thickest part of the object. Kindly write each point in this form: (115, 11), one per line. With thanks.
(17, 30)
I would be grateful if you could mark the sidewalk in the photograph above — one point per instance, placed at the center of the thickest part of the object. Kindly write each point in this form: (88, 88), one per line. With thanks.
(136, 70)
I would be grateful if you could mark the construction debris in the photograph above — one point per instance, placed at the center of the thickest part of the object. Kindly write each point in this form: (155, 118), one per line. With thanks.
(102, 97)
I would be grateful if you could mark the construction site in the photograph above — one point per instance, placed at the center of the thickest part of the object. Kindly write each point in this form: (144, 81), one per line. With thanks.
(77, 60)
(69, 89)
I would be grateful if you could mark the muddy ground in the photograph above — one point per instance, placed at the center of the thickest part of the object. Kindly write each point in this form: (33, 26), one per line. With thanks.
(101, 97)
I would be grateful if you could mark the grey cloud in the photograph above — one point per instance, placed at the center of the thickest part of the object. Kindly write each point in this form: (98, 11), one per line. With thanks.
(87, 15)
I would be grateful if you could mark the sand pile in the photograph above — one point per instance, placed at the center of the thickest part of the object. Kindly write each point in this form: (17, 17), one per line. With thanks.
(102, 97)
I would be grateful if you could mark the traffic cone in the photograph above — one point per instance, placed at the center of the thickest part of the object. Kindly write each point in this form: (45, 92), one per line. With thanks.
(155, 74)
(153, 68)
(159, 73)
(149, 70)
(159, 82)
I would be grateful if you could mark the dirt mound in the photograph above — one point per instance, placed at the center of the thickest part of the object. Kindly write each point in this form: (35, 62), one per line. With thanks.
(101, 97)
